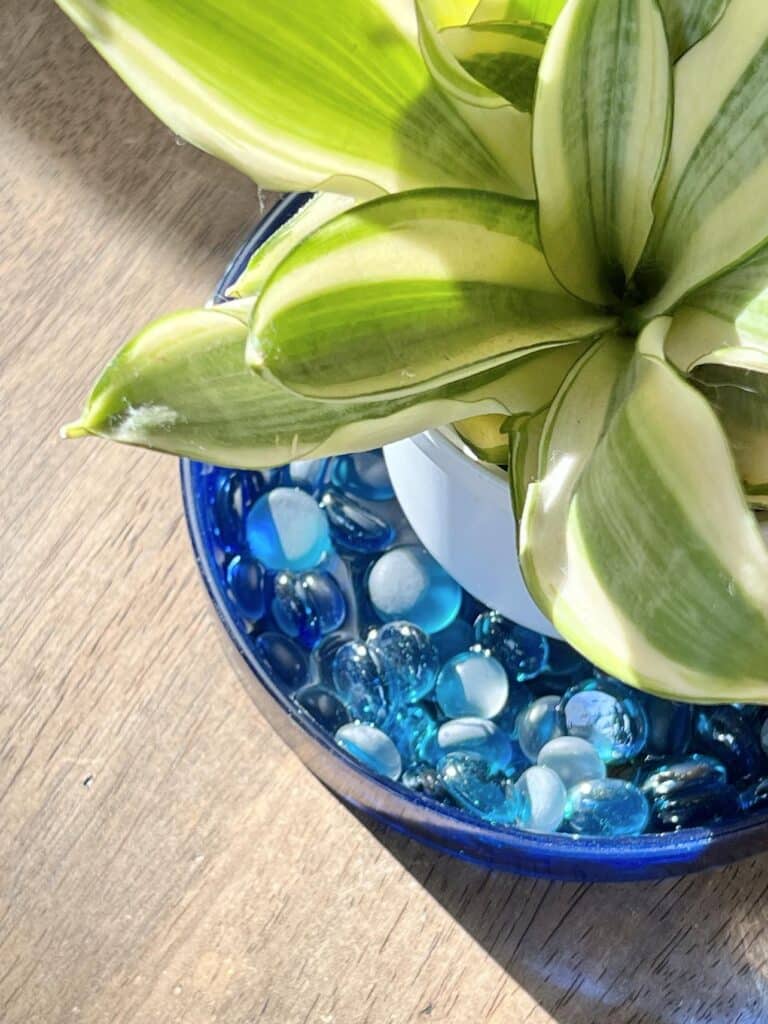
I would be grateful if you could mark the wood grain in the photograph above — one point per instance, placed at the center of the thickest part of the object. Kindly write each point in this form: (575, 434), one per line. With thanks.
(163, 858)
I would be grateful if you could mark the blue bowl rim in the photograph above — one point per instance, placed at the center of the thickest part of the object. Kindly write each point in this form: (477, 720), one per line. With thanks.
(663, 848)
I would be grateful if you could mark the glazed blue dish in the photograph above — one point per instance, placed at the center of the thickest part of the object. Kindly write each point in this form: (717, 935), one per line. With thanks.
(430, 712)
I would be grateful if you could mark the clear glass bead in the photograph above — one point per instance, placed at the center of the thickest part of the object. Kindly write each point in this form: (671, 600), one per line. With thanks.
(606, 807)
(407, 654)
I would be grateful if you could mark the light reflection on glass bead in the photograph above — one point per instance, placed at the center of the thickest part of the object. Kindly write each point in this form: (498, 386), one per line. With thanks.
(307, 606)
(323, 705)
(246, 578)
(573, 759)
(372, 748)
(287, 530)
(407, 583)
(538, 724)
(354, 527)
(364, 475)
(522, 652)
(541, 800)
(472, 683)
(360, 682)
(475, 736)
(407, 654)
(608, 715)
(286, 662)
(606, 807)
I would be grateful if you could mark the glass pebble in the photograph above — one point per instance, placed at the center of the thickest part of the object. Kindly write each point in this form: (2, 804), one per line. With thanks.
(454, 639)
(307, 605)
(235, 493)
(675, 777)
(541, 798)
(764, 736)
(359, 680)
(475, 736)
(472, 683)
(696, 805)
(407, 583)
(518, 699)
(371, 747)
(286, 662)
(606, 807)
(573, 759)
(670, 726)
(407, 654)
(325, 652)
(308, 474)
(563, 660)
(353, 527)
(726, 733)
(323, 705)
(364, 475)
(245, 579)
(607, 714)
(425, 779)
(287, 530)
(538, 724)
(413, 731)
(471, 783)
(522, 652)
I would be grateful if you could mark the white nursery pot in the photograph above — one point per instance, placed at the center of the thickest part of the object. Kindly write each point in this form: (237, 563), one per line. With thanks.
(461, 510)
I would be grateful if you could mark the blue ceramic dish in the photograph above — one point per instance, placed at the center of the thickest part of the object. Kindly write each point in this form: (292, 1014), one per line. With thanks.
(552, 856)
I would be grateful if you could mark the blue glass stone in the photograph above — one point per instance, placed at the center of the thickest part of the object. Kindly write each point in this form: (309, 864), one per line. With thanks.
(697, 805)
(245, 579)
(323, 705)
(287, 530)
(471, 783)
(371, 747)
(454, 639)
(764, 736)
(235, 493)
(522, 652)
(475, 736)
(670, 726)
(353, 526)
(607, 714)
(541, 799)
(725, 733)
(424, 779)
(407, 583)
(408, 656)
(364, 475)
(309, 474)
(285, 662)
(573, 759)
(472, 683)
(563, 660)
(307, 605)
(755, 797)
(359, 679)
(607, 807)
(518, 699)
(538, 724)
(413, 731)
(674, 777)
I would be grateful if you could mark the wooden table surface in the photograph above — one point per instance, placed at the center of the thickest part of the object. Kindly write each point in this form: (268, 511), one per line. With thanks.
(163, 857)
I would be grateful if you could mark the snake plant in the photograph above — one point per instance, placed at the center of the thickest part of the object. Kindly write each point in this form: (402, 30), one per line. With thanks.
(547, 218)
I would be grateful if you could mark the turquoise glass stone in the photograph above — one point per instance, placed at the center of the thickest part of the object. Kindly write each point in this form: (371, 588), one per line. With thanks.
(323, 705)
(286, 663)
(573, 759)
(287, 530)
(518, 699)
(454, 639)
(325, 652)
(475, 736)
(538, 724)
(372, 748)
(407, 583)
(354, 527)
(364, 475)
(308, 605)
(472, 683)
(607, 807)
(541, 799)
(360, 681)
(413, 731)
(408, 657)
(471, 783)
(608, 715)
(522, 652)
(246, 579)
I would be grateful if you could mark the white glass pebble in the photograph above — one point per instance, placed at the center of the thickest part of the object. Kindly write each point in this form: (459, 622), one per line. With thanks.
(472, 683)
(541, 799)
(573, 759)
(371, 747)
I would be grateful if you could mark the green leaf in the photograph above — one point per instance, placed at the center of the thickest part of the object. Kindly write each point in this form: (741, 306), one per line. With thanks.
(600, 133)
(504, 56)
(409, 292)
(657, 576)
(449, 12)
(181, 386)
(524, 442)
(688, 21)
(306, 95)
(712, 203)
(544, 11)
(505, 130)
